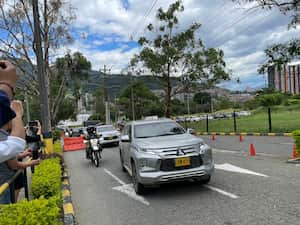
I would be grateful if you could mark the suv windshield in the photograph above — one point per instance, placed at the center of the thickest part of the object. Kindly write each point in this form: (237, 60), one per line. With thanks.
(157, 129)
(104, 129)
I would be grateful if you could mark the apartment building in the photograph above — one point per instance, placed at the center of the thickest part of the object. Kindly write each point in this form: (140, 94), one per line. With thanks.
(285, 78)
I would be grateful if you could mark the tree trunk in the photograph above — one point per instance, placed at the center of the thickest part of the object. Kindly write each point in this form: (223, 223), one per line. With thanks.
(42, 78)
(168, 94)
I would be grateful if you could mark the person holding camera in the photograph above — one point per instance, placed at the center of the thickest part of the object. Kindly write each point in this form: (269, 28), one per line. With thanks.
(17, 164)
(10, 114)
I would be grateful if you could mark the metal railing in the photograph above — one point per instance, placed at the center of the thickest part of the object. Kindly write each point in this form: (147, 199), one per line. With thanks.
(10, 184)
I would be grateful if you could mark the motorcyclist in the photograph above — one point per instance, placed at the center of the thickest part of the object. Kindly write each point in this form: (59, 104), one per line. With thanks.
(91, 134)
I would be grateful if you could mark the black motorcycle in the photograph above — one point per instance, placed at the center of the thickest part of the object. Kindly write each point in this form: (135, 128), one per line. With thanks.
(93, 147)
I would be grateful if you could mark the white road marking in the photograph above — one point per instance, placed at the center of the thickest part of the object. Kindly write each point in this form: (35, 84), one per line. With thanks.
(236, 169)
(127, 189)
(115, 177)
(230, 195)
(241, 152)
(286, 143)
(226, 151)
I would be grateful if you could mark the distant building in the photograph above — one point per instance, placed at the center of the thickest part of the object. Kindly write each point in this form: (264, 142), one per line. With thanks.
(285, 78)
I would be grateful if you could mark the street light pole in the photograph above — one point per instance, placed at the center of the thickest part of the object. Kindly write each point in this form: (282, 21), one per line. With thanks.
(132, 98)
(105, 98)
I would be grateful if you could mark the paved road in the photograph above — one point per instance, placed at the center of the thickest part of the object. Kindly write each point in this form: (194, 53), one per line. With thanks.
(276, 146)
(101, 195)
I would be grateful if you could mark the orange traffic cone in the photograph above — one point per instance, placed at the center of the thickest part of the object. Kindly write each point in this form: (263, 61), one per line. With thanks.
(213, 137)
(295, 155)
(241, 138)
(252, 150)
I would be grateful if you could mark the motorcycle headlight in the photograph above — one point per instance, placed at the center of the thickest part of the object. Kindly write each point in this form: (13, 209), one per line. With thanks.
(95, 148)
(94, 141)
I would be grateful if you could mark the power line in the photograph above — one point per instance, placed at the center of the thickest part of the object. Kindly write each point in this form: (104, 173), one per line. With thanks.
(214, 17)
(141, 22)
(239, 20)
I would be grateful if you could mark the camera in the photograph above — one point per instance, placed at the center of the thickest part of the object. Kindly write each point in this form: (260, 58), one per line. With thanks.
(33, 140)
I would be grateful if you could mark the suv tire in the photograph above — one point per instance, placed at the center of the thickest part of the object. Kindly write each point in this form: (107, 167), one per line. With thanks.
(138, 187)
(122, 162)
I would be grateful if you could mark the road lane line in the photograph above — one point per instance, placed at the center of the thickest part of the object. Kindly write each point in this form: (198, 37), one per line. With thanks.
(115, 177)
(126, 189)
(236, 169)
(228, 194)
(242, 152)
(129, 191)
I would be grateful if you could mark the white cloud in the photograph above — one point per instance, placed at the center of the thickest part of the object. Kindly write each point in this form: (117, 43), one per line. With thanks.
(242, 34)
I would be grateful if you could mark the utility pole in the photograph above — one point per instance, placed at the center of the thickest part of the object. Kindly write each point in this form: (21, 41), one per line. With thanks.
(116, 110)
(132, 98)
(188, 103)
(105, 98)
(42, 76)
(211, 103)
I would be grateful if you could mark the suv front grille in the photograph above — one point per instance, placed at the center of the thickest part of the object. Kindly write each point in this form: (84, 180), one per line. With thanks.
(166, 152)
(169, 164)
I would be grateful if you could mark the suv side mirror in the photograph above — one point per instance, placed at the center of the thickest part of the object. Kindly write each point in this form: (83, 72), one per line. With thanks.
(125, 138)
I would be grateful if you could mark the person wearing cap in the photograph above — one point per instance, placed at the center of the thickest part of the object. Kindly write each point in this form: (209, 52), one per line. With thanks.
(10, 114)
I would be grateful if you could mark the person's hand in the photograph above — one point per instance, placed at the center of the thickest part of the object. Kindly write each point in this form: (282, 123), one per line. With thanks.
(8, 77)
(17, 107)
(35, 162)
(27, 152)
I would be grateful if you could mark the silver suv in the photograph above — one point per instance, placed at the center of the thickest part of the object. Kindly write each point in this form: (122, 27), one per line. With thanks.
(160, 151)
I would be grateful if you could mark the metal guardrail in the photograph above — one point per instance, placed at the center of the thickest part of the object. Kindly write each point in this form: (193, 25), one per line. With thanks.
(10, 184)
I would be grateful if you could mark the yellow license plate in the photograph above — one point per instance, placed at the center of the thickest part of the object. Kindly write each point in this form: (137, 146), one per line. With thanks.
(184, 161)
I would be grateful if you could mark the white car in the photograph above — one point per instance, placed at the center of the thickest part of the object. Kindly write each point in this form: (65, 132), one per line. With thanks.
(108, 135)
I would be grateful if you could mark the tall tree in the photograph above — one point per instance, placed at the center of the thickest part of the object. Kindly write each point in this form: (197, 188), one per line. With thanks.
(178, 53)
(145, 102)
(69, 72)
(17, 35)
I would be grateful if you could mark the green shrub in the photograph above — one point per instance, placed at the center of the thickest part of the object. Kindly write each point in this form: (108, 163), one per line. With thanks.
(46, 180)
(296, 136)
(36, 212)
(268, 100)
(56, 135)
(57, 147)
(297, 96)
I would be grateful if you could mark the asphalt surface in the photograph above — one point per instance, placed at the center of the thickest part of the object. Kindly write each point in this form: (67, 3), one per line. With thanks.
(271, 198)
(268, 145)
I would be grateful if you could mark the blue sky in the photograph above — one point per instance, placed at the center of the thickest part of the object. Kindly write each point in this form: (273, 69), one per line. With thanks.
(103, 31)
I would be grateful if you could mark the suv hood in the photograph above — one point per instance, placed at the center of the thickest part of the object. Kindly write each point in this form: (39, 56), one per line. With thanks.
(167, 141)
(106, 133)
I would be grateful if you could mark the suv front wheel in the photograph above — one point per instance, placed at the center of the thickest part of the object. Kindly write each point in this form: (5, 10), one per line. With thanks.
(138, 187)
(122, 162)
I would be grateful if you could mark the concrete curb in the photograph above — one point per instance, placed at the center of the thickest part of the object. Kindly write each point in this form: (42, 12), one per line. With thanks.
(68, 209)
(244, 134)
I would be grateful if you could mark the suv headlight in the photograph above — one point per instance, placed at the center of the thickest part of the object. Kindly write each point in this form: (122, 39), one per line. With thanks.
(206, 153)
(145, 150)
(148, 164)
